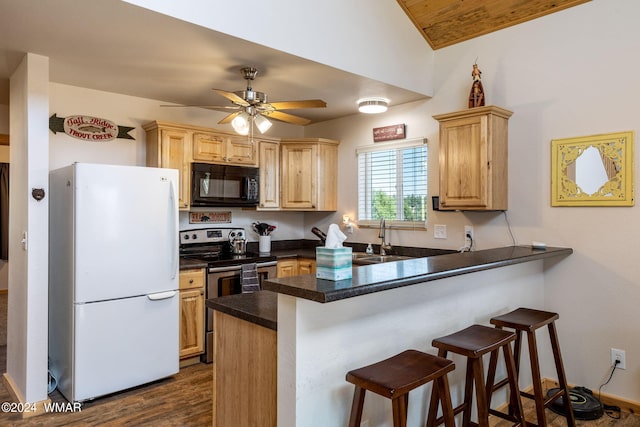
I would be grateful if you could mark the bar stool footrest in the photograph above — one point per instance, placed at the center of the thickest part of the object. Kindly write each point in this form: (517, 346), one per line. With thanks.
(456, 411)
(501, 384)
(504, 416)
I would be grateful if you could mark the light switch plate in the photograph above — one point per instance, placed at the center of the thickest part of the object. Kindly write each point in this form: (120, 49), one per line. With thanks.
(440, 231)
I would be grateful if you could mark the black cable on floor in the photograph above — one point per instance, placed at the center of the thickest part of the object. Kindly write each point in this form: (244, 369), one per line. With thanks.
(612, 411)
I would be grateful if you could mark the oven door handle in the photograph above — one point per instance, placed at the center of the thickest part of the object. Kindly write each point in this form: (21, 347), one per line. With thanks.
(239, 267)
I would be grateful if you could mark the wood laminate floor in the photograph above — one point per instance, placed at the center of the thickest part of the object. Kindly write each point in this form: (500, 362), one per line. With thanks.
(555, 420)
(183, 400)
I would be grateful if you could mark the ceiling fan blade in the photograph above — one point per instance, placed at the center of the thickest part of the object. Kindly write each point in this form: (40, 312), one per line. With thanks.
(210, 107)
(288, 118)
(291, 105)
(228, 118)
(231, 97)
(220, 108)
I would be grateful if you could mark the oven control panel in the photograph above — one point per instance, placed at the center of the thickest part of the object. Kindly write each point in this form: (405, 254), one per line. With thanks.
(210, 235)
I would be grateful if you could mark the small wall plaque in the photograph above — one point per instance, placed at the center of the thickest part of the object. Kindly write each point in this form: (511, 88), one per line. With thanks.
(209, 217)
(388, 133)
(89, 128)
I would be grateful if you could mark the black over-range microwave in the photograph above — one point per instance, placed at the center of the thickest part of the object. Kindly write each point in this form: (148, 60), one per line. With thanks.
(223, 185)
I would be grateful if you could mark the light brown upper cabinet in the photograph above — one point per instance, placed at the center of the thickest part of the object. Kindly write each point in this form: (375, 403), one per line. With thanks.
(309, 174)
(269, 153)
(216, 147)
(170, 147)
(474, 159)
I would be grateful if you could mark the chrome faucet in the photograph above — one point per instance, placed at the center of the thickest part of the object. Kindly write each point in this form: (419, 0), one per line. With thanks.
(383, 246)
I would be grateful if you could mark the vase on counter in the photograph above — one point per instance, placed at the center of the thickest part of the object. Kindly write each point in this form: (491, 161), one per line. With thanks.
(264, 244)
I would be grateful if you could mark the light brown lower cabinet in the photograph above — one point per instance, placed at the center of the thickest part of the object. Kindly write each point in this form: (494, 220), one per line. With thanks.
(296, 266)
(306, 266)
(244, 373)
(191, 315)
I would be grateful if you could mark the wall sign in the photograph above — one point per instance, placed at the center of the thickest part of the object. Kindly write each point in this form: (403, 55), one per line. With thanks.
(209, 217)
(388, 133)
(89, 128)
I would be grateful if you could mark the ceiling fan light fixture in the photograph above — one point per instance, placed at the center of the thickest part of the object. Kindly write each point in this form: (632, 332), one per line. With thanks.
(241, 123)
(372, 105)
(262, 123)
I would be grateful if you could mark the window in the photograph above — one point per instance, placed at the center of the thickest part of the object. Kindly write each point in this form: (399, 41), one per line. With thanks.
(392, 184)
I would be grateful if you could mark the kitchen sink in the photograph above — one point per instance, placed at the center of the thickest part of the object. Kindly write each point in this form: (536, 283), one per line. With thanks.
(363, 258)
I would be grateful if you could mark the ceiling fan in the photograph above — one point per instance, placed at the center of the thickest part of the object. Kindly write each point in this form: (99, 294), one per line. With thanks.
(251, 106)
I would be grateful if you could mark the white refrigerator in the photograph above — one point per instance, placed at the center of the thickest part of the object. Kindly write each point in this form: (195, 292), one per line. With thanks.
(113, 278)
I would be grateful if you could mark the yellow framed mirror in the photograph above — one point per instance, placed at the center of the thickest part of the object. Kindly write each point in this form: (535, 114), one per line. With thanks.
(592, 170)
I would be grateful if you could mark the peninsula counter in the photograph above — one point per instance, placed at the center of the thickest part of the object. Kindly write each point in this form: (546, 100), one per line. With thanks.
(324, 328)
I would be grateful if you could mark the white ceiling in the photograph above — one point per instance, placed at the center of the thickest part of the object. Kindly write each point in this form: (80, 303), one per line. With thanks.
(116, 47)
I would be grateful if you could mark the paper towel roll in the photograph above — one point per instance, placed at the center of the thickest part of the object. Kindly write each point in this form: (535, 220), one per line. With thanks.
(335, 237)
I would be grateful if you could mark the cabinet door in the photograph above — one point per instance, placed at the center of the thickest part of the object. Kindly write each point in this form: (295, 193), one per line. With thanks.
(269, 175)
(298, 176)
(287, 268)
(175, 153)
(191, 322)
(209, 147)
(463, 163)
(306, 266)
(241, 150)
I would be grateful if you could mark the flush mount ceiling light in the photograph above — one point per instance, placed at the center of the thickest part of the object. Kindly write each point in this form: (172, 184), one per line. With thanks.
(372, 105)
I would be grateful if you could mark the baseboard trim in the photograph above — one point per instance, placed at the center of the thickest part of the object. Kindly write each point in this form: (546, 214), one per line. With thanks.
(16, 396)
(625, 405)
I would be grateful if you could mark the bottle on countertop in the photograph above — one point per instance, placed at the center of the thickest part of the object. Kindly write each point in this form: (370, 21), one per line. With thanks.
(369, 249)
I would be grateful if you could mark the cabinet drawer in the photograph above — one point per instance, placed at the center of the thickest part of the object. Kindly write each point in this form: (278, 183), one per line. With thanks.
(190, 279)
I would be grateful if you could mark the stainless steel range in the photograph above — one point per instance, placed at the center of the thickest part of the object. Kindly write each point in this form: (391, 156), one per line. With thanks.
(213, 245)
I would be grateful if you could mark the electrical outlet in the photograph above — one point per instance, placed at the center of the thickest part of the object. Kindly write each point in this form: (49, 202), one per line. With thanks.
(617, 354)
(468, 231)
(440, 231)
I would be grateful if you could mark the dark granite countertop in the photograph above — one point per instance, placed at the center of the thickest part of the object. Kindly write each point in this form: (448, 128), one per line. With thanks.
(260, 308)
(380, 277)
(283, 249)
(294, 253)
(186, 264)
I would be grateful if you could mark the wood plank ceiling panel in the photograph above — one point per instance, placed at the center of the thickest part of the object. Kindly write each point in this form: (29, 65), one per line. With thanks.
(446, 22)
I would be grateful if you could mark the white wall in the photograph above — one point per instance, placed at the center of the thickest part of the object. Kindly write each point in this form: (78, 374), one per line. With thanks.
(28, 232)
(329, 32)
(572, 73)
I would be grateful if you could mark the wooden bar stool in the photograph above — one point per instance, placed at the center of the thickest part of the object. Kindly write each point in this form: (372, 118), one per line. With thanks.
(529, 320)
(395, 377)
(473, 343)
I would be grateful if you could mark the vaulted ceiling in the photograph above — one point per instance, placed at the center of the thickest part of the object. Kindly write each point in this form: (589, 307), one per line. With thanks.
(144, 54)
(446, 22)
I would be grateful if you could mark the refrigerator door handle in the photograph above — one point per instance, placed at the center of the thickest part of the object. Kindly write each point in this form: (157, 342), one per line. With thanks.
(173, 232)
(162, 295)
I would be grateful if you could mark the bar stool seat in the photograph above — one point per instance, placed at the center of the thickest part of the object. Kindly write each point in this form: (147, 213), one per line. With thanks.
(529, 320)
(395, 377)
(473, 343)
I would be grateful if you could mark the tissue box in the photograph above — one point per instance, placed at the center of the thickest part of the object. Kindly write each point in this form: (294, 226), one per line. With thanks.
(333, 264)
